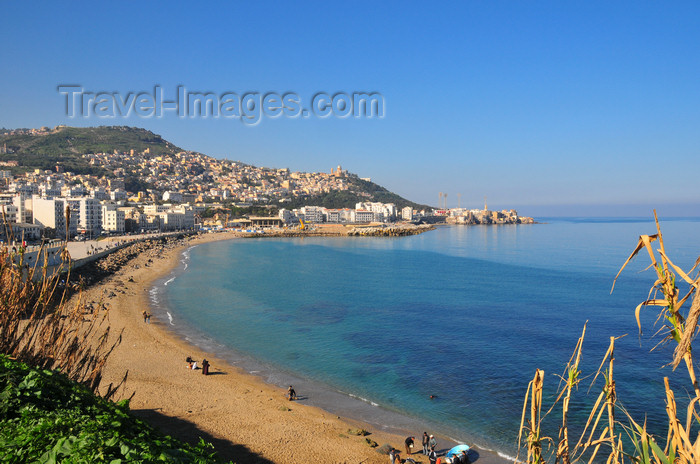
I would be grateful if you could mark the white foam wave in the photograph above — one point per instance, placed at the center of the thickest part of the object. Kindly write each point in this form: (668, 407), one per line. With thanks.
(507, 457)
(365, 400)
(168, 281)
(170, 318)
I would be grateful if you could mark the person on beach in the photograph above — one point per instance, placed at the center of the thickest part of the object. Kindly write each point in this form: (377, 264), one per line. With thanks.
(409, 445)
(145, 316)
(291, 394)
(432, 457)
(205, 367)
(465, 458)
(396, 457)
(426, 447)
(432, 443)
(189, 362)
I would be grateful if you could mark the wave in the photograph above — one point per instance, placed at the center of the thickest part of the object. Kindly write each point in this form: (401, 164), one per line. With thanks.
(365, 400)
(168, 281)
(505, 456)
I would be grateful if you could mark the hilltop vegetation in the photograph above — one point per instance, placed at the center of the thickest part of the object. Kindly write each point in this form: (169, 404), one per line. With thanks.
(65, 145)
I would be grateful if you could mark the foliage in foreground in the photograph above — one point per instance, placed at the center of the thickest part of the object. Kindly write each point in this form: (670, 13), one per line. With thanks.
(46, 418)
(603, 434)
(40, 327)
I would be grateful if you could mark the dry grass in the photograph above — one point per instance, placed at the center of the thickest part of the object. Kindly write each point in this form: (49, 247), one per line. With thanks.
(39, 328)
(602, 436)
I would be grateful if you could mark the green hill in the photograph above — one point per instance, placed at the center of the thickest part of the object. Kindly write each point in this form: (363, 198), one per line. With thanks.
(64, 145)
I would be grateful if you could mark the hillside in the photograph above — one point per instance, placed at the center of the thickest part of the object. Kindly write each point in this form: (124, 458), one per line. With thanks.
(46, 148)
(360, 190)
(65, 145)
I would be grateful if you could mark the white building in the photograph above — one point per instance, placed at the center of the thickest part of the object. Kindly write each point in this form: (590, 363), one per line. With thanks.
(363, 216)
(73, 191)
(100, 193)
(113, 219)
(51, 213)
(175, 197)
(89, 214)
(407, 213)
(312, 213)
(382, 211)
(118, 195)
(10, 213)
(49, 191)
(339, 216)
(24, 204)
(153, 208)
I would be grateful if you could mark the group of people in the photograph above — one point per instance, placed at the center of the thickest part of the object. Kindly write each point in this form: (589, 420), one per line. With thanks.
(192, 364)
(429, 449)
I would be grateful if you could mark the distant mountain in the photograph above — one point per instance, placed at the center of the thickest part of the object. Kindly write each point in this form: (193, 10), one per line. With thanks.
(45, 148)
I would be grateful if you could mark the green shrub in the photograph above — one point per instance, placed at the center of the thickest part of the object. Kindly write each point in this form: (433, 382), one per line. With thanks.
(44, 417)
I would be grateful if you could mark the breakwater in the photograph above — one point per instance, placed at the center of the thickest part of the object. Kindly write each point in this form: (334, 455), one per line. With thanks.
(392, 231)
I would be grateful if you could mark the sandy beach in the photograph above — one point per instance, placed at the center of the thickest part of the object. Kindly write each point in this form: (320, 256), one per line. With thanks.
(247, 420)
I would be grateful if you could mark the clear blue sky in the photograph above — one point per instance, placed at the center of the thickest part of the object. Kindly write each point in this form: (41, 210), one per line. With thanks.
(538, 105)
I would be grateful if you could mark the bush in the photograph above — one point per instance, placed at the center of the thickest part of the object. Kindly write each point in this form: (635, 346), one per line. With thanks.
(45, 417)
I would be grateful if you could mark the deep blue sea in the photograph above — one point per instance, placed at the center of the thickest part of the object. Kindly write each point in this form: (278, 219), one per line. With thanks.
(371, 327)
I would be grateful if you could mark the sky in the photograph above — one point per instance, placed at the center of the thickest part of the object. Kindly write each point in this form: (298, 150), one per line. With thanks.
(549, 107)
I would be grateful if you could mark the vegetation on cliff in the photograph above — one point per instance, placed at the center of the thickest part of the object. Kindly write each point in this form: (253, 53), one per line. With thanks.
(52, 412)
(47, 418)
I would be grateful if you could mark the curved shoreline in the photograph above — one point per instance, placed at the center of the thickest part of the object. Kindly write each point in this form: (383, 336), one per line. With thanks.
(179, 401)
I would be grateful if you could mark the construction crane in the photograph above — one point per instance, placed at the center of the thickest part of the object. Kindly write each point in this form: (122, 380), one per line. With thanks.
(302, 226)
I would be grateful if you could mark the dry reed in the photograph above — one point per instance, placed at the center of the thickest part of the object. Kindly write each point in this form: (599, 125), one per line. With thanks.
(602, 435)
(39, 327)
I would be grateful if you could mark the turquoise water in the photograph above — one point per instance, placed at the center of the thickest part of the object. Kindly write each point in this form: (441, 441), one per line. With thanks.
(463, 313)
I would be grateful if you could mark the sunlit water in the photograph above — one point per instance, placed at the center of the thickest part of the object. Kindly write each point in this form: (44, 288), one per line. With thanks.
(462, 313)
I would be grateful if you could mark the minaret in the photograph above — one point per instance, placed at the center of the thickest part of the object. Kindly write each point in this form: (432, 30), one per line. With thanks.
(486, 206)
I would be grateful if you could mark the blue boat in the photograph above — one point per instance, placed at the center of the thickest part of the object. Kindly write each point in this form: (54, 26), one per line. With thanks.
(457, 450)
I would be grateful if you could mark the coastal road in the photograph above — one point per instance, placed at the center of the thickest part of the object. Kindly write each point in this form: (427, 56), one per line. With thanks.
(79, 250)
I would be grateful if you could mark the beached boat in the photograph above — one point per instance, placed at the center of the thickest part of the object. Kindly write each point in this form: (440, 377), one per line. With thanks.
(457, 450)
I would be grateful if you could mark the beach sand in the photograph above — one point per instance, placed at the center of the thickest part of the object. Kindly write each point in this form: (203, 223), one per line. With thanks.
(247, 420)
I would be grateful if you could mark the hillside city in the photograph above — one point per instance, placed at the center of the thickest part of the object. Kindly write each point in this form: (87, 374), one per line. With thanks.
(184, 191)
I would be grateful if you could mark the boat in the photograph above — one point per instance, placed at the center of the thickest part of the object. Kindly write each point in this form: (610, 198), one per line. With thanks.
(457, 450)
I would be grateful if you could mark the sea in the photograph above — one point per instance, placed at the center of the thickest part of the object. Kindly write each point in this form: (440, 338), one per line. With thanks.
(442, 331)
